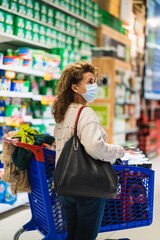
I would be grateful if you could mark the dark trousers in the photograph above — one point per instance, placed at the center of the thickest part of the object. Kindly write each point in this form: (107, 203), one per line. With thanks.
(83, 216)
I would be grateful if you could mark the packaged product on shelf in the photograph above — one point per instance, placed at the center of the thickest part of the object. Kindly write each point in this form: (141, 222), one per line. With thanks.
(27, 63)
(28, 25)
(23, 2)
(47, 111)
(43, 9)
(43, 18)
(5, 3)
(41, 82)
(2, 16)
(29, 12)
(42, 39)
(22, 9)
(35, 37)
(19, 22)
(20, 32)
(26, 86)
(2, 27)
(8, 74)
(20, 86)
(1, 58)
(36, 110)
(9, 29)
(29, 3)
(37, 61)
(5, 84)
(50, 12)
(9, 18)
(42, 30)
(12, 61)
(48, 40)
(15, 101)
(9, 198)
(36, 27)
(36, 15)
(2, 190)
(12, 111)
(16, 86)
(48, 32)
(36, 5)
(34, 87)
(28, 35)
(7, 101)
(50, 21)
(2, 111)
(48, 91)
(23, 111)
(25, 53)
(4, 129)
(13, 6)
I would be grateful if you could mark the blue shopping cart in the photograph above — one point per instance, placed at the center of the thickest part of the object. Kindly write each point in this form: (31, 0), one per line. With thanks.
(132, 207)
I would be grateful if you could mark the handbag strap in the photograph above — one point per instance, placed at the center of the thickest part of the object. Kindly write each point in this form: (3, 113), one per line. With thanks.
(78, 114)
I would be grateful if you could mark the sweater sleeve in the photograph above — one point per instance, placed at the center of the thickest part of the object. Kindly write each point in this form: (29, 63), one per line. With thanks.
(94, 139)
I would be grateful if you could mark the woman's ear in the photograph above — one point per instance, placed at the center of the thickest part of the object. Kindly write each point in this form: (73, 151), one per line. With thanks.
(74, 88)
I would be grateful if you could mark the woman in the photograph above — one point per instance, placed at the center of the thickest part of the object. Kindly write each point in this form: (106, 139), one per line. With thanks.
(77, 86)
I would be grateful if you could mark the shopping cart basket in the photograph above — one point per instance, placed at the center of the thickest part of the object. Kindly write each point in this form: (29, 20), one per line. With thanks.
(132, 207)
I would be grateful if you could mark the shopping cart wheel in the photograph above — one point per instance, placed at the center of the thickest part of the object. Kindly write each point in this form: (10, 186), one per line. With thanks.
(18, 233)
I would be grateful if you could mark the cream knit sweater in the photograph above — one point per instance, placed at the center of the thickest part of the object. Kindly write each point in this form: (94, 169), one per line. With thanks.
(90, 132)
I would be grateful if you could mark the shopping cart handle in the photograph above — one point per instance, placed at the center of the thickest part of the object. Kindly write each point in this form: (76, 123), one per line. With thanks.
(37, 150)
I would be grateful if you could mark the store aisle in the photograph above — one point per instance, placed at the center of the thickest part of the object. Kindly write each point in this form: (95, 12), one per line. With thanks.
(11, 221)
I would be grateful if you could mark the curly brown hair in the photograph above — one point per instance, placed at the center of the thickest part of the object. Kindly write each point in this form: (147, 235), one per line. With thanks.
(72, 74)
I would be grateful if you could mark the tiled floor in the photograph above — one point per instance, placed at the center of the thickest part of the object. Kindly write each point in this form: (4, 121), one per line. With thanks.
(11, 221)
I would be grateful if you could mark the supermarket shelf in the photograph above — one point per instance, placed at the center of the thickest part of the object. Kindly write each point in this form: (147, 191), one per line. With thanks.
(26, 95)
(22, 199)
(28, 71)
(20, 95)
(16, 94)
(4, 37)
(133, 130)
(47, 46)
(70, 13)
(123, 116)
(34, 121)
(126, 103)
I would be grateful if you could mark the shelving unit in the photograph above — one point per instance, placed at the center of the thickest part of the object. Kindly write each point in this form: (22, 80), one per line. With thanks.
(108, 67)
(30, 119)
(44, 24)
(133, 130)
(29, 71)
(70, 13)
(19, 41)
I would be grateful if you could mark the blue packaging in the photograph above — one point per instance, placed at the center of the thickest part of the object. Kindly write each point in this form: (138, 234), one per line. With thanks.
(2, 191)
(9, 198)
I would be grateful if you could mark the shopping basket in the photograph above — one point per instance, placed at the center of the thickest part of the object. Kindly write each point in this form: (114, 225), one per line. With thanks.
(132, 207)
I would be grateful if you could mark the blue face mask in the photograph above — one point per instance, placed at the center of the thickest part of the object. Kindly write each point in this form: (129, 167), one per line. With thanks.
(91, 92)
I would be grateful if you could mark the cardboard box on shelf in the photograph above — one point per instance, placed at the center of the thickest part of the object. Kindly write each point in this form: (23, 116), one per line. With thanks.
(112, 6)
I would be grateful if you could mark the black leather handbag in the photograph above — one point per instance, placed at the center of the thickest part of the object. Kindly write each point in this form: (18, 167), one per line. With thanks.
(78, 174)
